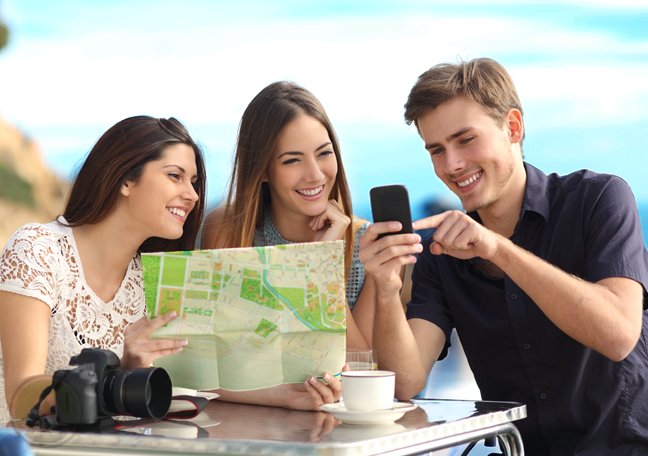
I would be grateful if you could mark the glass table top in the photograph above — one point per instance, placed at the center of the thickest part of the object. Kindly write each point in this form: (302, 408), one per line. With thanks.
(229, 428)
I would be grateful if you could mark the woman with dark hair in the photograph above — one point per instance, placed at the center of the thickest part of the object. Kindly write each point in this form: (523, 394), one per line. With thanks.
(77, 282)
(288, 185)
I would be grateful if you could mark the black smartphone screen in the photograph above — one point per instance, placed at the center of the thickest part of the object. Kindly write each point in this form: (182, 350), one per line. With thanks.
(391, 203)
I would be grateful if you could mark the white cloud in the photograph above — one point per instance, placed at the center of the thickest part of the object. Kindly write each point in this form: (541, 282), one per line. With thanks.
(634, 4)
(360, 69)
(585, 95)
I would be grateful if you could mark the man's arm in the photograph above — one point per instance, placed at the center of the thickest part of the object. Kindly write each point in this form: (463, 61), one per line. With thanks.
(360, 320)
(605, 316)
(409, 349)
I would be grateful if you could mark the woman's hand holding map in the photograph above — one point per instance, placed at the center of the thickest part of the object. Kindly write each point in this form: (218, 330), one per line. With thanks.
(139, 351)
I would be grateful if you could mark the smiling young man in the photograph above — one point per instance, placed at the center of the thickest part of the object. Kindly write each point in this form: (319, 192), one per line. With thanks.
(543, 277)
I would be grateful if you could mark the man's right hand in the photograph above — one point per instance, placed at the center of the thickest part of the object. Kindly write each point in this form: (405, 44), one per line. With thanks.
(408, 348)
(383, 258)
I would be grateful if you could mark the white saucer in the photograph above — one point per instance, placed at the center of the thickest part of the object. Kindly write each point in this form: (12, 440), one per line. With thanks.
(385, 416)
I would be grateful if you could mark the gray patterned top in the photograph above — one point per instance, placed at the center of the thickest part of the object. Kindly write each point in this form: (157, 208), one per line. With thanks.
(268, 235)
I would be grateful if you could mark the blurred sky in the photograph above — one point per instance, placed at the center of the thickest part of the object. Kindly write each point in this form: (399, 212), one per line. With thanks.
(73, 68)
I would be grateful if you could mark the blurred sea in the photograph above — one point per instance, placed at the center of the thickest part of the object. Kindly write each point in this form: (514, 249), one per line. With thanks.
(365, 212)
(379, 155)
(643, 213)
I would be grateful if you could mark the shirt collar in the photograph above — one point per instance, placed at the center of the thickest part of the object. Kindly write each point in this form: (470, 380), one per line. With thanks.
(536, 194)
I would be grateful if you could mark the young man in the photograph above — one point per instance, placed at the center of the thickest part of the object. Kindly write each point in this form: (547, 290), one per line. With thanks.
(543, 276)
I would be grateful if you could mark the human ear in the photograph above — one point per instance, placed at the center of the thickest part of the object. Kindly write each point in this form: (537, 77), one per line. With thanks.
(515, 125)
(125, 188)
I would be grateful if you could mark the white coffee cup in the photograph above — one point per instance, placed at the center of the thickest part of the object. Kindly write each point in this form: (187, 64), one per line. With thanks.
(368, 390)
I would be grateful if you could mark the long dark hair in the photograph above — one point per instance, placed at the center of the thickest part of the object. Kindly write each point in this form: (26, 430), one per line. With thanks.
(263, 121)
(120, 156)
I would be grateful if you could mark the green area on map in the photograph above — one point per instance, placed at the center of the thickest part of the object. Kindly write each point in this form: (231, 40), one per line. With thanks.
(254, 317)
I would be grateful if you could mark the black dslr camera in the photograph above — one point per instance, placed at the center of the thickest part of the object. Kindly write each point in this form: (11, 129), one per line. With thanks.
(89, 395)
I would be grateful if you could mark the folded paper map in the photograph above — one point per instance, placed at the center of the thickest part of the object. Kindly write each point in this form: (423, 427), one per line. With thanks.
(254, 317)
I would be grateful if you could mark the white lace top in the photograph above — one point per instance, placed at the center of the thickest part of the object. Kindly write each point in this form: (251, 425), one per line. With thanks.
(42, 262)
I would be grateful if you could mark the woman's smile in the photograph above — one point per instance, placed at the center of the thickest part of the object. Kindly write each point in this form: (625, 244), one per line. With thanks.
(179, 212)
(311, 193)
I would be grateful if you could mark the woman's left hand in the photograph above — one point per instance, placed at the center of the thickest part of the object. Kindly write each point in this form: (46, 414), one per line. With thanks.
(139, 351)
(331, 224)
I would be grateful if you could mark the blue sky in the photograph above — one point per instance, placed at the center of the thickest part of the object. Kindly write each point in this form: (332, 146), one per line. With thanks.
(74, 68)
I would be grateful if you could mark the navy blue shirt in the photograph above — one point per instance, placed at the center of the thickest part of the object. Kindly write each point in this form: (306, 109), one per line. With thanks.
(578, 401)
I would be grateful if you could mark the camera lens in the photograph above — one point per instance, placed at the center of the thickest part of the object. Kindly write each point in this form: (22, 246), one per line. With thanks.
(140, 392)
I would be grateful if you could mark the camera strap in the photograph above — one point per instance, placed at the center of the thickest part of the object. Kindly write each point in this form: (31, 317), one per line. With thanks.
(34, 416)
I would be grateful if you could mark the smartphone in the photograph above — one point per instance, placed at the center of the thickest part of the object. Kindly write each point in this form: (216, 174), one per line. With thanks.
(391, 203)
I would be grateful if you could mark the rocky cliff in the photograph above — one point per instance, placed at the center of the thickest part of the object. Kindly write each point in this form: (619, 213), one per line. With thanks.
(29, 192)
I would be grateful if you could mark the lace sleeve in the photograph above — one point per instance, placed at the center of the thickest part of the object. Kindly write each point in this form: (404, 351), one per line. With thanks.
(28, 263)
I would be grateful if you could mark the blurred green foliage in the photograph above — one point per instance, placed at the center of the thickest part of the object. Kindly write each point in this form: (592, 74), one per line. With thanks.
(4, 35)
(15, 188)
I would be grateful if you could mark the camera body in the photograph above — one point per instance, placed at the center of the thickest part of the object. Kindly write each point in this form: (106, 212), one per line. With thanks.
(98, 389)
(76, 396)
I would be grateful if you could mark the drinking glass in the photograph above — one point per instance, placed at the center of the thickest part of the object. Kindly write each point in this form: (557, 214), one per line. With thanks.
(361, 359)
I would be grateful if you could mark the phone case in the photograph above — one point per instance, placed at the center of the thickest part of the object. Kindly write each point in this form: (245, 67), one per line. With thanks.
(391, 202)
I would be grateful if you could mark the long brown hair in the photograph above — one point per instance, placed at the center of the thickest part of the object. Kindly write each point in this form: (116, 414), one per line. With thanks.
(120, 156)
(263, 121)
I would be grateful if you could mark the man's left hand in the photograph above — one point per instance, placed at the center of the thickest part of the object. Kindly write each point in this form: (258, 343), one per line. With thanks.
(460, 236)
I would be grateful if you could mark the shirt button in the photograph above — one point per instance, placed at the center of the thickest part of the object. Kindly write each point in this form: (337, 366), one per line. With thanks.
(527, 346)
(514, 296)
(543, 396)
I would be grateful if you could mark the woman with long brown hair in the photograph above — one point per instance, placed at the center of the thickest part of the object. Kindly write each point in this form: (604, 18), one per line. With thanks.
(77, 282)
(288, 185)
